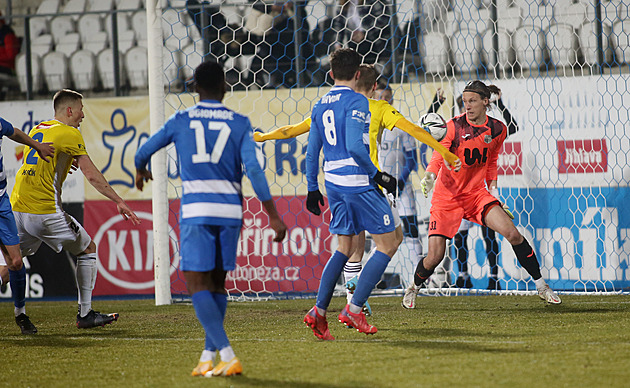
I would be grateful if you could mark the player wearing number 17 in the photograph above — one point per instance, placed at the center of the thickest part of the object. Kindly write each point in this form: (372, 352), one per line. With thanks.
(212, 143)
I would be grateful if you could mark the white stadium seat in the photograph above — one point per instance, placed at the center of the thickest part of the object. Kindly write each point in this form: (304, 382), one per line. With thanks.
(562, 42)
(96, 42)
(137, 65)
(126, 40)
(55, 69)
(105, 67)
(88, 25)
(20, 69)
(573, 15)
(451, 24)
(466, 47)
(474, 19)
(83, 70)
(436, 49)
(39, 25)
(139, 24)
(129, 4)
(60, 26)
(100, 5)
(509, 19)
(68, 44)
(75, 7)
(621, 41)
(529, 47)
(506, 56)
(42, 45)
(121, 19)
(589, 43)
(171, 62)
(540, 17)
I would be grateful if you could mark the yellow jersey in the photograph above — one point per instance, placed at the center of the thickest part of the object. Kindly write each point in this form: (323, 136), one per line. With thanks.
(38, 183)
(383, 116)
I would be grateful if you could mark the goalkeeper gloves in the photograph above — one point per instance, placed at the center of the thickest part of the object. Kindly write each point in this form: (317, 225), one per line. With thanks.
(427, 183)
(386, 181)
(313, 199)
(507, 211)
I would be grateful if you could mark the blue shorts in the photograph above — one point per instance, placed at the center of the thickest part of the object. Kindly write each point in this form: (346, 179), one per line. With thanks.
(353, 213)
(8, 230)
(206, 247)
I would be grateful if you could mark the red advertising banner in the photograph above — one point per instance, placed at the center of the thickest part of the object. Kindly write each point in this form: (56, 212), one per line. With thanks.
(582, 156)
(125, 251)
(510, 159)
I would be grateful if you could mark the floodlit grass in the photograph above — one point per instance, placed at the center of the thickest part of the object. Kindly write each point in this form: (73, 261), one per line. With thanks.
(468, 341)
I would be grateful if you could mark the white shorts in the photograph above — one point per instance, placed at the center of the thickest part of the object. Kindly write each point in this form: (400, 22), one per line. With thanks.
(57, 230)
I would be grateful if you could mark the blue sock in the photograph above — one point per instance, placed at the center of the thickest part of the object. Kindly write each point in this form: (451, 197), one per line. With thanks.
(331, 273)
(372, 272)
(221, 300)
(17, 279)
(210, 317)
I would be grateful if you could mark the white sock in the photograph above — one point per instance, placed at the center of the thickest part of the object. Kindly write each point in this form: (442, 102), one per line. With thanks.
(415, 253)
(86, 278)
(540, 283)
(354, 309)
(321, 312)
(227, 353)
(208, 355)
(19, 310)
(351, 270)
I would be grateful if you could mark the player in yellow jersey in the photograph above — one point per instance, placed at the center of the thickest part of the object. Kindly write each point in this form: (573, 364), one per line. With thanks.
(36, 199)
(383, 115)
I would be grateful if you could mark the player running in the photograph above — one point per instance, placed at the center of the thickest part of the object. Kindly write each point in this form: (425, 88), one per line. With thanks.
(476, 138)
(213, 144)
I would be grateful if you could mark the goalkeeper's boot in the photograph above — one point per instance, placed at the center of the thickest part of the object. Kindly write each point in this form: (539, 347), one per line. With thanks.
(94, 319)
(356, 320)
(409, 299)
(318, 324)
(547, 294)
(227, 368)
(202, 368)
(25, 324)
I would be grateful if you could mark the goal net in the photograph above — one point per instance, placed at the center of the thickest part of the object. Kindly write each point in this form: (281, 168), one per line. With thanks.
(564, 174)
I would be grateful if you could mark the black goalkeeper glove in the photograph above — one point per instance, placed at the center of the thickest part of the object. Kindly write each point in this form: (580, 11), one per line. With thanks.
(313, 199)
(386, 181)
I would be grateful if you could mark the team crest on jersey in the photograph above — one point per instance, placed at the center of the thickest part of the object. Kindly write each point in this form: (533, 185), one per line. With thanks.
(487, 139)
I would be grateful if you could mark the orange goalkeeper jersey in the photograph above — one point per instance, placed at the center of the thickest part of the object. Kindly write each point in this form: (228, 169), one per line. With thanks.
(477, 146)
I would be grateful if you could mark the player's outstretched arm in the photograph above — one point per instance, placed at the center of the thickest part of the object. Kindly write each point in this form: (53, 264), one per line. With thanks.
(44, 150)
(426, 138)
(98, 181)
(286, 132)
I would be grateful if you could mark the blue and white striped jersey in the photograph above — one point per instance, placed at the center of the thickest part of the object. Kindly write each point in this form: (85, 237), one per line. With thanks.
(213, 144)
(340, 124)
(6, 129)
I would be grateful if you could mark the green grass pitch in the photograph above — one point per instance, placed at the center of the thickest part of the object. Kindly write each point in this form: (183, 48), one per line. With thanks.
(467, 341)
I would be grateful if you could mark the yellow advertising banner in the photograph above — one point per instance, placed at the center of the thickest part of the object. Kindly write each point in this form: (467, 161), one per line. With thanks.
(113, 130)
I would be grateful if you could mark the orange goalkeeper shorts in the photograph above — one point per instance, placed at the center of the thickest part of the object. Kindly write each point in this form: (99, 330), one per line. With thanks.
(447, 214)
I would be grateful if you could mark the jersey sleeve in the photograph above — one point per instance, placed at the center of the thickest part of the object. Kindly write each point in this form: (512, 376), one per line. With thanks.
(6, 128)
(358, 112)
(491, 171)
(313, 150)
(256, 175)
(390, 115)
(157, 141)
(285, 132)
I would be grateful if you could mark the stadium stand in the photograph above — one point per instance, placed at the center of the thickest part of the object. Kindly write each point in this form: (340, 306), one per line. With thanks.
(55, 68)
(83, 70)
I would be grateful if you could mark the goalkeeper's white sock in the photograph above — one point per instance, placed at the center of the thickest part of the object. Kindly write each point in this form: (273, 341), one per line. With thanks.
(540, 282)
(86, 278)
(415, 253)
